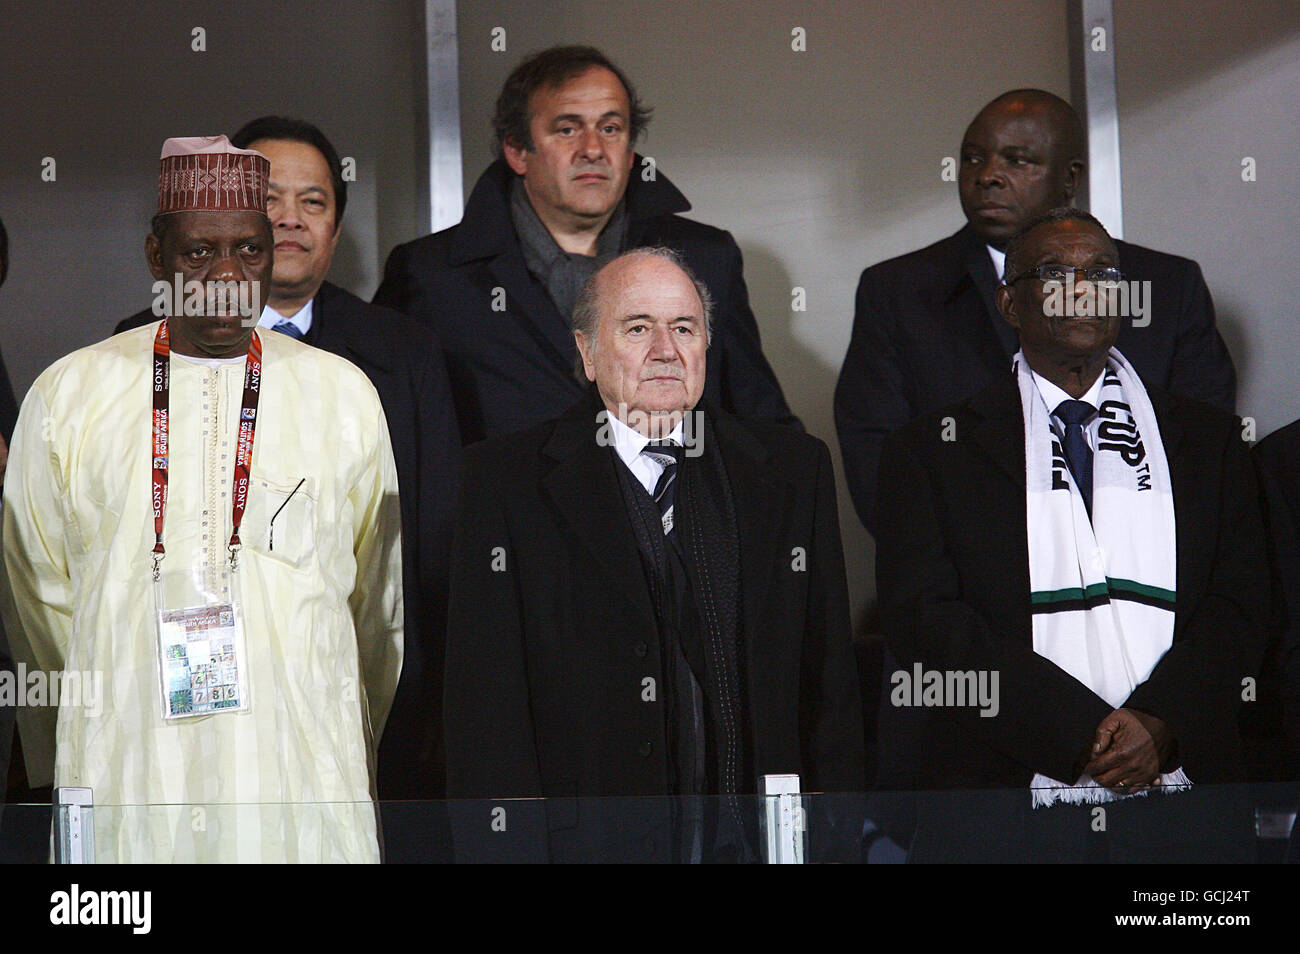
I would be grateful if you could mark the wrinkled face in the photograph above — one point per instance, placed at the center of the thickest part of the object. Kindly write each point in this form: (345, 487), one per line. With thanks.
(648, 354)
(582, 148)
(1014, 168)
(1025, 305)
(211, 247)
(301, 206)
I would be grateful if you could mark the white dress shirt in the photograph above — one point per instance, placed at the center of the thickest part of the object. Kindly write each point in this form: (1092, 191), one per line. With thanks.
(629, 444)
(999, 261)
(301, 319)
(1053, 396)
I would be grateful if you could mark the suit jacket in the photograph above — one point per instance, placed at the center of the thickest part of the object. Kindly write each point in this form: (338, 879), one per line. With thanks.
(510, 353)
(952, 569)
(552, 633)
(8, 406)
(8, 418)
(400, 357)
(1278, 456)
(927, 333)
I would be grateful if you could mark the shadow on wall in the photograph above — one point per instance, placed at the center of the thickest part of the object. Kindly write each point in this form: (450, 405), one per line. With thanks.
(1230, 317)
(347, 270)
(809, 386)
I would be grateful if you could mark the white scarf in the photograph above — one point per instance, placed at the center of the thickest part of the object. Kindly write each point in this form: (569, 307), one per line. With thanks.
(1102, 590)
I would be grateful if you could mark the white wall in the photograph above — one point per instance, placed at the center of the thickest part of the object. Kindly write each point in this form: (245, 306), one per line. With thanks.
(1201, 87)
(99, 87)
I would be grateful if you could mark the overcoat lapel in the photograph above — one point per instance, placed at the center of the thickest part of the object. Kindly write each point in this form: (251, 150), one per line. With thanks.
(584, 487)
(531, 306)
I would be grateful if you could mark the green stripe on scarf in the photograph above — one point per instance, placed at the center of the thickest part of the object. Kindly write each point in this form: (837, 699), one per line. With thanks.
(1075, 597)
(1071, 594)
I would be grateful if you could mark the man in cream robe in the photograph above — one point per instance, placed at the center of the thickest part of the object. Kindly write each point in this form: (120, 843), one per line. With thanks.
(318, 586)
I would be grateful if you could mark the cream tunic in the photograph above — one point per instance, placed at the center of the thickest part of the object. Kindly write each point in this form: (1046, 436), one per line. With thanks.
(291, 779)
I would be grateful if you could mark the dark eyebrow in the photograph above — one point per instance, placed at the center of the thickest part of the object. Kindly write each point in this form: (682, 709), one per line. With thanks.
(272, 184)
(575, 118)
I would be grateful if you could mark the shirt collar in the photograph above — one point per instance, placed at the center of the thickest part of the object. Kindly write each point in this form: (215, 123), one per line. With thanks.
(300, 319)
(999, 261)
(1053, 395)
(629, 443)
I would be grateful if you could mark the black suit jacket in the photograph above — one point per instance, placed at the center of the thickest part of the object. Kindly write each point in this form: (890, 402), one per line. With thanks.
(927, 333)
(952, 569)
(510, 353)
(8, 406)
(401, 359)
(548, 646)
(1278, 456)
(8, 418)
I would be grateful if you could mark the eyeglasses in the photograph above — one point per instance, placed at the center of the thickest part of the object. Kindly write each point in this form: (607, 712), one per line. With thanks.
(1068, 274)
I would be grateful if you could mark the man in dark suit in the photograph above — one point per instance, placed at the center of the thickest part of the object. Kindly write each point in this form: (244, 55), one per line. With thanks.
(953, 570)
(8, 407)
(648, 599)
(8, 417)
(306, 201)
(926, 330)
(1278, 456)
(565, 195)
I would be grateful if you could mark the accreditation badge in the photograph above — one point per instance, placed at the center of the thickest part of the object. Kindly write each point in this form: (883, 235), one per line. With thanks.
(201, 653)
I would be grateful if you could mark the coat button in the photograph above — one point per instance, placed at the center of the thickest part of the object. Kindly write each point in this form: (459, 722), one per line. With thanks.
(640, 649)
(644, 749)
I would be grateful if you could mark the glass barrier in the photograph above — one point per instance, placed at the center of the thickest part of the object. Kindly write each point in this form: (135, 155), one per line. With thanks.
(1240, 823)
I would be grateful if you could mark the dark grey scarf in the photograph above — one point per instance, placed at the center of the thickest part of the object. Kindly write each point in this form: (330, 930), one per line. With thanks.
(563, 274)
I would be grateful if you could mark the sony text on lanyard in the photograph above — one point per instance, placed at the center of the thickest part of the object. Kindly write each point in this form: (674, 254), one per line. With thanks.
(243, 452)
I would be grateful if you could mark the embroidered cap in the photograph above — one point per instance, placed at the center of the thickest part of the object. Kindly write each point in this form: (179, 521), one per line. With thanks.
(208, 174)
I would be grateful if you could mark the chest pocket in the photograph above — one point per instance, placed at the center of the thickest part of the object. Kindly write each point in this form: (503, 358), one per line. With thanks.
(281, 521)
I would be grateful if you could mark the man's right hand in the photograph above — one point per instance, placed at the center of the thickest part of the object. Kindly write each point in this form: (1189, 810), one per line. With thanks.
(1128, 749)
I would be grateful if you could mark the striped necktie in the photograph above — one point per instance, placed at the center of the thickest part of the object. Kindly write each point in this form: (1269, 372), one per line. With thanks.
(669, 454)
(287, 327)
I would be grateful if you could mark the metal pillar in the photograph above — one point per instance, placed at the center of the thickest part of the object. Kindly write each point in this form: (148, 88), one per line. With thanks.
(1092, 87)
(442, 133)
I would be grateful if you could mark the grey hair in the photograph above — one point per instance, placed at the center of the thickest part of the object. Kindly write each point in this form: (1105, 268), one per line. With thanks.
(1012, 269)
(586, 313)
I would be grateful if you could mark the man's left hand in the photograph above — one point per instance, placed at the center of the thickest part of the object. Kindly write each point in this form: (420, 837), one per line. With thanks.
(1128, 750)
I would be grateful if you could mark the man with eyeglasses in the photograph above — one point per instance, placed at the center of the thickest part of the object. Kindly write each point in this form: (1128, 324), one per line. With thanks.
(926, 330)
(1097, 543)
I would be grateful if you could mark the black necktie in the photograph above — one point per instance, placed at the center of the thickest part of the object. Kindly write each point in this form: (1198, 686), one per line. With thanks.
(669, 454)
(1074, 414)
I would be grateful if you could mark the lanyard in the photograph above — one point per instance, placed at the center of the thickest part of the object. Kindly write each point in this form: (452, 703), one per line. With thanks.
(243, 451)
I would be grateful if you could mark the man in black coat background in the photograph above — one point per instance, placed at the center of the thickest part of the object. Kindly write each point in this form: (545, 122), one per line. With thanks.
(8, 417)
(666, 624)
(401, 358)
(565, 195)
(926, 330)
